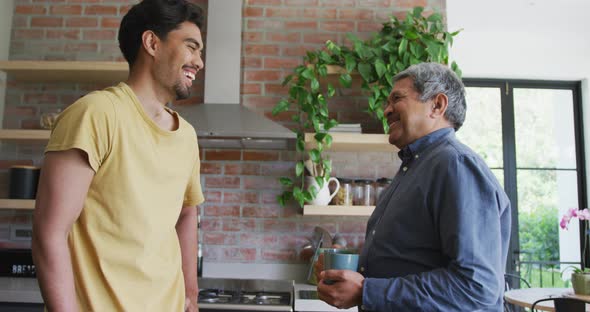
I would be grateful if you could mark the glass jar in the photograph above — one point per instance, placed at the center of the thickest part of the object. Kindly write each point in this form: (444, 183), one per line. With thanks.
(380, 186)
(344, 195)
(364, 193)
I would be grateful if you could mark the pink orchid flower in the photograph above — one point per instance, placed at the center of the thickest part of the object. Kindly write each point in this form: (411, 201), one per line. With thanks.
(584, 214)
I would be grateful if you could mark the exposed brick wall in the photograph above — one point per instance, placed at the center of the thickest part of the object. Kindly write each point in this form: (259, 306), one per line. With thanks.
(241, 220)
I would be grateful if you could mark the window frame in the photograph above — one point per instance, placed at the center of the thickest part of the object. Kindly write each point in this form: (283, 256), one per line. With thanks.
(506, 87)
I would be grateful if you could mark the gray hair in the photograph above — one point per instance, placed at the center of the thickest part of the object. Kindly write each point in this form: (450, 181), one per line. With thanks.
(431, 79)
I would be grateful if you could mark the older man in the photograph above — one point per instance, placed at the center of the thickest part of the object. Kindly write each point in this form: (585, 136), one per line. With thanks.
(438, 238)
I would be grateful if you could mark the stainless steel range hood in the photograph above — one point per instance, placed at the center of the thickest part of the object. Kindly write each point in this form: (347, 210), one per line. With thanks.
(234, 126)
(222, 122)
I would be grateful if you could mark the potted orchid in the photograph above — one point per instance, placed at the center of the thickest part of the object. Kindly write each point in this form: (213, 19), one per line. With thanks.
(580, 276)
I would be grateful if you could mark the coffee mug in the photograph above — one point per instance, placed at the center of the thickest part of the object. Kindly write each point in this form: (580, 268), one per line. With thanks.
(323, 196)
(340, 259)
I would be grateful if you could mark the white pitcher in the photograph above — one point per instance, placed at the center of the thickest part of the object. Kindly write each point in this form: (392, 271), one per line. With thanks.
(323, 197)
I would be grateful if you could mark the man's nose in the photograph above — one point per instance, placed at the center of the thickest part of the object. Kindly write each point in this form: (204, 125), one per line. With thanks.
(198, 62)
(388, 110)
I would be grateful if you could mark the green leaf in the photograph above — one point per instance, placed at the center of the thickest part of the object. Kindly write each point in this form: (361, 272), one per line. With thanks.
(281, 200)
(298, 195)
(282, 106)
(286, 182)
(320, 181)
(380, 68)
(411, 35)
(300, 145)
(299, 168)
(287, 80)
(417, 11)
(320, 136)
(315, 85)
(310, 194)
(402, 47)
(365, 71)
(345, 80)
(323, 70)
(330, 124)
(387, 47)
(328, 140)
(315, 155)
(331, 90)
(349, 62)
(307, 73)
(371, 103)
(324, 56)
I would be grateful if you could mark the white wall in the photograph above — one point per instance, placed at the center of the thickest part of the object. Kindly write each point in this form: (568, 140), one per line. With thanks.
(6, 11)
(526, 39)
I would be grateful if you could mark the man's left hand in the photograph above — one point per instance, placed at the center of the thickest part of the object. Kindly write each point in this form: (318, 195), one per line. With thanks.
(190, 306)
(345, 292)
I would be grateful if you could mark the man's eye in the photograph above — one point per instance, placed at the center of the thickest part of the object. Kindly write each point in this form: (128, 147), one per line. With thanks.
(192, 48)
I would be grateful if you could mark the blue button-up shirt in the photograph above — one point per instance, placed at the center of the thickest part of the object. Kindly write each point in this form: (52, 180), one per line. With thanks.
(438, 238)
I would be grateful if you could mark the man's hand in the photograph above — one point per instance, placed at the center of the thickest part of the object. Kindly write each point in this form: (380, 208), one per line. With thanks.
(347, 290)
(190, 306)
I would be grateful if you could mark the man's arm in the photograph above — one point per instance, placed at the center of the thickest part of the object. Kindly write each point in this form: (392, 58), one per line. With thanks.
(63, 185)
(186, 228)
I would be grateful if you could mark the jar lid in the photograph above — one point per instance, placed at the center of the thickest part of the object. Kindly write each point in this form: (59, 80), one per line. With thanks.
(384, 180)
(363, 181)
(344, 180)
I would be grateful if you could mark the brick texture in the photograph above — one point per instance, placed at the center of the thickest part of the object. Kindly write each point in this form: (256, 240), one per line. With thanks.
(241, 219)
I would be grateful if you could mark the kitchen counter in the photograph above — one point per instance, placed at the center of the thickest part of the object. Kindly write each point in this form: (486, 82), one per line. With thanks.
(312, 304)
(27, 290)
(19, 290)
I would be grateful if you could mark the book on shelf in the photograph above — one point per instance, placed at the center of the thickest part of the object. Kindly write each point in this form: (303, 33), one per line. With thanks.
(348, 128)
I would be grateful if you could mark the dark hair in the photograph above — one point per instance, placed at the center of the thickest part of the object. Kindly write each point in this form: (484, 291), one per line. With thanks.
(159, 16)
(431, 79)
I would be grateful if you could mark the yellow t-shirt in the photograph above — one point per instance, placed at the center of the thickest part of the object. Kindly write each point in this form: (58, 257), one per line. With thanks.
(124, 247)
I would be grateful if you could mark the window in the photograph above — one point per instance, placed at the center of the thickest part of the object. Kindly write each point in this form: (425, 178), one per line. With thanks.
(530, 135)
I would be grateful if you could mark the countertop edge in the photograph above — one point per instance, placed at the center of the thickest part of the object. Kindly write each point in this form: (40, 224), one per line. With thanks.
(19, 290)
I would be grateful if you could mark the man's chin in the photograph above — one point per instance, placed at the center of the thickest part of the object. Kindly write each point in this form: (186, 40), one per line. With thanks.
(182, 94)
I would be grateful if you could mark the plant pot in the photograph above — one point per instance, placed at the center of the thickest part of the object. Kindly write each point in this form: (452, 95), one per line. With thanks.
(581, 283)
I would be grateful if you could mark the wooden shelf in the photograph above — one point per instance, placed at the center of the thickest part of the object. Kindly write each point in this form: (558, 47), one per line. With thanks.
(354, 142)
(18, 134)
(25, 204)
(311, 210)
(66, 71)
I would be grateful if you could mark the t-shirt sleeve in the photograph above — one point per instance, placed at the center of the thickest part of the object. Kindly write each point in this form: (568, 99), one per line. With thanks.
(88, 125)
(194, 194)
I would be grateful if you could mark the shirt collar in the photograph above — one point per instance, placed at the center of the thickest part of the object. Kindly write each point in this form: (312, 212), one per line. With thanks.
(407, 153)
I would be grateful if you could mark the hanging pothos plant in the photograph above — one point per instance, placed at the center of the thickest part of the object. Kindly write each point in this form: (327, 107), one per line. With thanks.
(399, 44)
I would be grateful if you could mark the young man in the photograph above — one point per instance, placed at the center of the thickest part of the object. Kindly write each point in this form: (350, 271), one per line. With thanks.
(115, 221)
(438, 238)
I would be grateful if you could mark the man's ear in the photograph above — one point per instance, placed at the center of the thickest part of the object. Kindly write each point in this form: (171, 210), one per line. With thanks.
(439, 105)
(150, 42)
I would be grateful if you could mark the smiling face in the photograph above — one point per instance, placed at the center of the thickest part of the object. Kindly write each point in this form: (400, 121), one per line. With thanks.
(179, 59)
(409, 119)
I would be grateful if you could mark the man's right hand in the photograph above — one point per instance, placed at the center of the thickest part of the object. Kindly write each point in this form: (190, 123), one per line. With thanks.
(345, 292)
